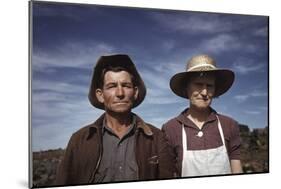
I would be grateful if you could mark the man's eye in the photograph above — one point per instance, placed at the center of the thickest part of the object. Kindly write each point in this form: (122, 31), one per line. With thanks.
(110, 86)
(128, 85)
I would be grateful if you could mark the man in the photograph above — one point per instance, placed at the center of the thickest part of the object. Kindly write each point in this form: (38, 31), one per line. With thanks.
(205, 142)
(118, 146)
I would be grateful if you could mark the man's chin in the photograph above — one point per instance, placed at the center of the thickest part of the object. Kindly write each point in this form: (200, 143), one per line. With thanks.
(203, 107)
(121, 109)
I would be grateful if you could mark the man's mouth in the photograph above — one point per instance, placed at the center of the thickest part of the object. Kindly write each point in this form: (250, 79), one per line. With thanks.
(203, 99)
(123, 102)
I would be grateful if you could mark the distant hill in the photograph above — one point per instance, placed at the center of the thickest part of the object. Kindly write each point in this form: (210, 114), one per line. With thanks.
(254, 157)
(45, 164)
(254, 149)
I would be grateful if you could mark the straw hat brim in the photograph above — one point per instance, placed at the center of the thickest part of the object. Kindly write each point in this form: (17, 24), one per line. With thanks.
(115, 61)
(224, 80)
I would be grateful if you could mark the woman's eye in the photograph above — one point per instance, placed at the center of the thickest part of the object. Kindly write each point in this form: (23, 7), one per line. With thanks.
(199, 84)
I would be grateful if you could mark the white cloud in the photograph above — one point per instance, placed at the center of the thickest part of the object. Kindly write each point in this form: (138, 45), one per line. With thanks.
(245, 68)
(58, 110)
(258, 110)
(56, 133)
(54, 122)
(168, 45)
(70, 54)
(223, 43)
(246, 65)
(156, 96)
(158, 88)
(252, 112)
(192, 23)
(263, 108)
(243, 97)
(69, 12)
(259, 94)
(59, 87)
(220, 44)
(261, 32)
(156, 79)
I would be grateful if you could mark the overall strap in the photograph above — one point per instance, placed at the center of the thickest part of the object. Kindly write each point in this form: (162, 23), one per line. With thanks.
(220, 130)
(184, 143)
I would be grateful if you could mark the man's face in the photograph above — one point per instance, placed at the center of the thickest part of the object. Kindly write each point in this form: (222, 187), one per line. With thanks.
(118, 93)
(201, 91)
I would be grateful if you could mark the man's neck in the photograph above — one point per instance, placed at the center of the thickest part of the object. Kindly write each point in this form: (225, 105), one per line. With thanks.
(119, 123)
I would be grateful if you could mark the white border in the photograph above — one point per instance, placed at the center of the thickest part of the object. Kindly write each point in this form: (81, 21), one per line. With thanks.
(14, 91)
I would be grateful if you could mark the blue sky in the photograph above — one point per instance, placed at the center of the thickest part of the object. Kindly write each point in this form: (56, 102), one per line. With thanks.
(69, 38)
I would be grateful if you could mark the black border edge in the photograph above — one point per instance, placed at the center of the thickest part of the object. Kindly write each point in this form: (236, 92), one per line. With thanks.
(30, 157)
(268, 92)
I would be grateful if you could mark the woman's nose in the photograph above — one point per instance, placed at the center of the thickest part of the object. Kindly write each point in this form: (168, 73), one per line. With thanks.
(204, 90)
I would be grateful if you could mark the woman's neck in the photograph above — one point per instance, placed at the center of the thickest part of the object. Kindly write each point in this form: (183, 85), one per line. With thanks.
(198, 116)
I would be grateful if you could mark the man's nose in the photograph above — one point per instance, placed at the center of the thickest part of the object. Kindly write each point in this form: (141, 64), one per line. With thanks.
(120, 91)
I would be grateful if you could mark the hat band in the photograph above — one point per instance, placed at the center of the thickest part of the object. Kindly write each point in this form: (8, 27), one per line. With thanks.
(201, 65)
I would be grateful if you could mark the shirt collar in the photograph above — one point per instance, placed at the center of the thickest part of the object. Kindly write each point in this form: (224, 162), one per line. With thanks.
(182, 118)
(138, 122)
(141, 125)
(131, 127)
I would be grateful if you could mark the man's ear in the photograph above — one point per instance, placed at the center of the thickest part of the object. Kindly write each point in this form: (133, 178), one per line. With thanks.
(136, 89)
(99, 95)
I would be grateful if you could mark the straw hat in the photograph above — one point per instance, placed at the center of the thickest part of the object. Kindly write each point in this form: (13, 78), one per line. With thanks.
(202, 64)
(118, 60)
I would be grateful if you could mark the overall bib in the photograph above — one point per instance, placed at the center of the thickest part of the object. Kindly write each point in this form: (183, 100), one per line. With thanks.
(213, 161)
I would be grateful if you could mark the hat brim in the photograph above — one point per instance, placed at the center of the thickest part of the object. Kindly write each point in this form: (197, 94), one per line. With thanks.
(224, 80)
(115, 61)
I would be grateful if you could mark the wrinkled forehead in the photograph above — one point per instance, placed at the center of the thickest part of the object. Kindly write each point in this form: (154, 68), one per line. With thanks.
(115, 76)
